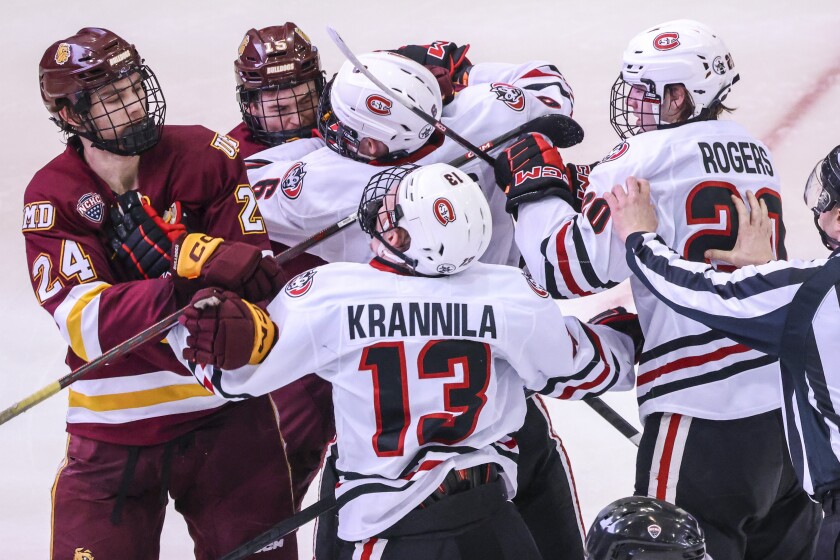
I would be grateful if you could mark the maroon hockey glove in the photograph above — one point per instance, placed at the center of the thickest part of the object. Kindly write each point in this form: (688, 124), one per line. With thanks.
(443, 54)
(226, 331)
(141, 240)
(532, 169)
(200, 261)
(621, 320)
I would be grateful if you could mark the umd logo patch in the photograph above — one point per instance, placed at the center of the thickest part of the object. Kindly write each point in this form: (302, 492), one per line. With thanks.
(62, 54)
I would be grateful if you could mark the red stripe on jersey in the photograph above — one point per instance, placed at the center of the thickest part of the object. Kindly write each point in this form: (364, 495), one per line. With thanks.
(667, 453)
(572, 389)
(537, 73)
(367, 549)
(424, 466)
(690, 361)
(563, 264)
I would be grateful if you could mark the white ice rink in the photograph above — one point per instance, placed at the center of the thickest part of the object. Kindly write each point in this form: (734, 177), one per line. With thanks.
(788, 55)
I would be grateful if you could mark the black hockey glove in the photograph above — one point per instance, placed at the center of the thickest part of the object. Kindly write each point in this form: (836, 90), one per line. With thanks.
(621, 320)
(140, 238)
(579, 180)
(532, 169)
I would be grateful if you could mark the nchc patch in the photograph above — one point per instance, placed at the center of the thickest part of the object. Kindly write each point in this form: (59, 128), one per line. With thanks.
(91, 207)
(300, 284)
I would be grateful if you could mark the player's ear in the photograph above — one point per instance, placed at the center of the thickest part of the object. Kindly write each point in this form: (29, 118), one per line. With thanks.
(69, 116)
(398, 238)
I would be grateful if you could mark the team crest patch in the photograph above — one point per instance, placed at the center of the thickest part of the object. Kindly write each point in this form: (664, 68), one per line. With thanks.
(292, 182)
(617, 152)
(82, 554)
(654, 531)
(666, 41)
(513, 97)
(378, 104)
(300, 284)
(444, 212)
(62, 54)
(539, 290)
(91, 207)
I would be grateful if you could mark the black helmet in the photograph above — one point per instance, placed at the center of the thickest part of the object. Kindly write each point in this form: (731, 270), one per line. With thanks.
(822, 191)
(642, 528)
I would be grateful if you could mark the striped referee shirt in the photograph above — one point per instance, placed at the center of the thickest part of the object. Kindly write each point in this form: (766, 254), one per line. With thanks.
(788, 309)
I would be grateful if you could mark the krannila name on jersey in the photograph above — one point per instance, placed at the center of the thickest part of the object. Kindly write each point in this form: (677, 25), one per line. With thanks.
(302, 195)
(788, 309)
(693, 170)
(427, 373)
(418, 319)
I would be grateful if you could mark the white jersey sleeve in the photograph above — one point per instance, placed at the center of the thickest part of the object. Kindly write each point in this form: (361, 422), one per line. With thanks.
(539, 78)
(428, 374)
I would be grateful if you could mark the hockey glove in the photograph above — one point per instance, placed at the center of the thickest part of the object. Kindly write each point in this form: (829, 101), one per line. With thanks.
(200, 261)
(225, 331)
(443, 54)
(621, 320)
(579, 181)
(530, 170)
(141, 240)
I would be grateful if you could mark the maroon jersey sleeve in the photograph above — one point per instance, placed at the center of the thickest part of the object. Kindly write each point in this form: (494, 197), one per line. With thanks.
(70, 269)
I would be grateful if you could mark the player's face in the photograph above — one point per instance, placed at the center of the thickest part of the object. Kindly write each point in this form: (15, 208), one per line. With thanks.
(396, 237)
(644, 111)
(279, 110)
(118, 105)
(830, 224)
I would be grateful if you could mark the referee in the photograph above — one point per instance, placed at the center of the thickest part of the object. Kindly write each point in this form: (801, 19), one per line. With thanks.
(789, 309)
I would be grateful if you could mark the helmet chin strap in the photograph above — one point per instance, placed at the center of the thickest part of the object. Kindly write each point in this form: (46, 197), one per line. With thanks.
(391, 253)
(830, 243)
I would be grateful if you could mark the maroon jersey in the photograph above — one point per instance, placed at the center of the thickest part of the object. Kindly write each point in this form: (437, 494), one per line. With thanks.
(247, 145)
(146, 397)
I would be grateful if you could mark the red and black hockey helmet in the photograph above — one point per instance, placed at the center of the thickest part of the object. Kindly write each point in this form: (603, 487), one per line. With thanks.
(272, 63)
(114, 100)
(639, 528)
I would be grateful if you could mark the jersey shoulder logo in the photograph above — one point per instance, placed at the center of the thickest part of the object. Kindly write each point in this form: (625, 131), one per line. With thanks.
(379, 105)
(666, 41)
(300, 284)
(292, 182)
(444, 211)
(82, 554)
(91, 207)
(38, 216)
(539, 290)
(227, 145)
(513, 97)
(617, 152)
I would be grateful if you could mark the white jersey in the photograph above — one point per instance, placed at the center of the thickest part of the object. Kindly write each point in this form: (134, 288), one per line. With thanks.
(300, 196)
(427, 373)
(693, 169)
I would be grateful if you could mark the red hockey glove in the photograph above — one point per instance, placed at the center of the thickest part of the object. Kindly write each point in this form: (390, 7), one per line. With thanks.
(532, 169)
(200, 261)
(141, 240)
(226, 331)
(445, 60)
(621, 320)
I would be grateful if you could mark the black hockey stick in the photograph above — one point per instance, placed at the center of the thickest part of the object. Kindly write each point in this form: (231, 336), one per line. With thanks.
(567, 134)
(615, 419)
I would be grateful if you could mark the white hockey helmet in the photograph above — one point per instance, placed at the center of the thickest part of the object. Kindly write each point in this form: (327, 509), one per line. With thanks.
(676, 52)
(442, 209)
(353, 107)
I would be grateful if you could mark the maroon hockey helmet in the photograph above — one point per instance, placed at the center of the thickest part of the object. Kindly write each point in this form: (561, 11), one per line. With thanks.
(95, 64)
(273, 63)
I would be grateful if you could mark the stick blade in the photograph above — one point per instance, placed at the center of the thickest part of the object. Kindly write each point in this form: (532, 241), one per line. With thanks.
(563, 131)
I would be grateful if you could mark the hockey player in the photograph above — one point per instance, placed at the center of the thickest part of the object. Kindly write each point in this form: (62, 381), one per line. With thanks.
(364, 130)
(784, 308)
(279, 81)
(105, 266)
(702, 397)
(428, 351)
(644, 528)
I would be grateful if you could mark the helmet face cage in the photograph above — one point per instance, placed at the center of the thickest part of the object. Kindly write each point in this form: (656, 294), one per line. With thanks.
(379, 211)
(645, 115)
(267, 110)
(124, 116)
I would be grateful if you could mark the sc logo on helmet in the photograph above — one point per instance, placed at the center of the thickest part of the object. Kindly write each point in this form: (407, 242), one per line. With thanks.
(444, 212)
(379, 105)
(666, 41)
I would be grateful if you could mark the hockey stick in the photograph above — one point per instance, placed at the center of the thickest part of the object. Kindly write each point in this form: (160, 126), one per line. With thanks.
(568, 132)
(617, 421)
(546, 124)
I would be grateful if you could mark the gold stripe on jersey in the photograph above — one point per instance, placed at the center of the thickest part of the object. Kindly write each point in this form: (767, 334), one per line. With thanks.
(75, 325)
(137, 399)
